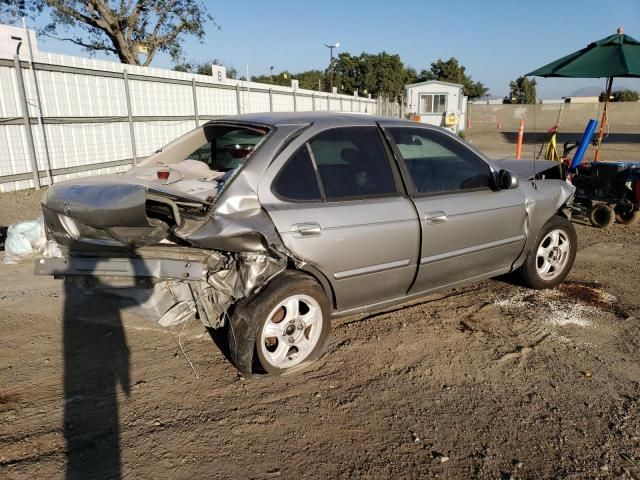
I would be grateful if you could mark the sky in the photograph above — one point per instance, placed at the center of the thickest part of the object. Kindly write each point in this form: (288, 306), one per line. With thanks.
(496, 40)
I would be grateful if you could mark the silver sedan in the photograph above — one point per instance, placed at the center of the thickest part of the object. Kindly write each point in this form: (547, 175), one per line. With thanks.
(270, 225)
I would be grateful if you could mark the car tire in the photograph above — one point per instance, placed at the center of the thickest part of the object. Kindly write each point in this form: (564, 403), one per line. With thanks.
(552, 255)
(626, 214)
(282, 328)
(601, 215)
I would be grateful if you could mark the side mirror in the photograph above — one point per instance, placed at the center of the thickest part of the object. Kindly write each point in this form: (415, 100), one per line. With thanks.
(507, 180)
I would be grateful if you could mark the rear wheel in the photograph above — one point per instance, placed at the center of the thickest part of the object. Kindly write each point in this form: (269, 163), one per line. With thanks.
(552, 256)
(284, 327)
(601, 215)
(626, 214)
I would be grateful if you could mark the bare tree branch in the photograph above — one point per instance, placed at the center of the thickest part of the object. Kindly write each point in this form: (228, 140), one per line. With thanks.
(88, 46)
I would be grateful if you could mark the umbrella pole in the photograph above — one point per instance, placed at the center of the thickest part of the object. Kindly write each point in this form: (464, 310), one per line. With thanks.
(603, 123)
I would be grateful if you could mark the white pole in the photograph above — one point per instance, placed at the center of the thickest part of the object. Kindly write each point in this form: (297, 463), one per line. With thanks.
(39, 100)
(248, 91)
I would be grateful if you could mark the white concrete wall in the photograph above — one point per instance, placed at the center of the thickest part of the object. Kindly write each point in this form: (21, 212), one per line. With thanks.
(8, 45)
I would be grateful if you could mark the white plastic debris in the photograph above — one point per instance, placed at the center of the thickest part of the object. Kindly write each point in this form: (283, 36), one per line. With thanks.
(24, 238)
(51, 250)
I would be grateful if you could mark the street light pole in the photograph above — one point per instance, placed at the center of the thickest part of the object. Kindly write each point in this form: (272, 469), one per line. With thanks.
(331, 47)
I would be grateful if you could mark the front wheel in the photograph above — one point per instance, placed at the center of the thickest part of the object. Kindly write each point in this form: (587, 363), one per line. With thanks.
(284, 327)
(552, 255)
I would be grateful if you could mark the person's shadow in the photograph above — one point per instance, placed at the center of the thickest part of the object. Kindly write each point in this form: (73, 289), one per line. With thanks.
(96, 365)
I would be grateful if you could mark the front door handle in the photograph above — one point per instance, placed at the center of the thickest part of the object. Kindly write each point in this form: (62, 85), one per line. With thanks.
(309, 229)
(435, 217)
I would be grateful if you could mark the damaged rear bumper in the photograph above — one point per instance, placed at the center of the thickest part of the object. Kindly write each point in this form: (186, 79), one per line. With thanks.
(170, 285)
(122, 268)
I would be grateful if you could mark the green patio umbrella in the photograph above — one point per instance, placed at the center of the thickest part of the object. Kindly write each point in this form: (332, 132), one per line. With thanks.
(614, 56)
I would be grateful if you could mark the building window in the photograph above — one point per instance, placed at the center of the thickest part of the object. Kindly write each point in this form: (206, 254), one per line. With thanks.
(433, 103)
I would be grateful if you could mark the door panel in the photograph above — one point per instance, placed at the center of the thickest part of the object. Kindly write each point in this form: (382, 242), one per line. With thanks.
(483, 233)
(367, 248)
(358, 226)
(469, 230)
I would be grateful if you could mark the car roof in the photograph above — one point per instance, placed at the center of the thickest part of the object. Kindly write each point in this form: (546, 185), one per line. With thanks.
(317, 118)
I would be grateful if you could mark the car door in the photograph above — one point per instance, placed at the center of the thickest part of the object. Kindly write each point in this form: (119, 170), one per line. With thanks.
(470, 230)
(338, 203)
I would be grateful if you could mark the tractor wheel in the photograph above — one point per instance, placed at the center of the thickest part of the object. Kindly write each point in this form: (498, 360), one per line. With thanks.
(626, 214)
(601, 215)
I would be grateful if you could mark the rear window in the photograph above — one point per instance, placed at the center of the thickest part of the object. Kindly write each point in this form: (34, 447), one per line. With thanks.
(227, 147)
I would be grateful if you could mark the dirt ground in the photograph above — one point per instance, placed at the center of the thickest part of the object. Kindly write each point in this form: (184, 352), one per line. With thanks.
(487, 381)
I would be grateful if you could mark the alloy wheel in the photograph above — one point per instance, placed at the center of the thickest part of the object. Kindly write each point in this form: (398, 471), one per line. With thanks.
(553, 254)
(292, 331)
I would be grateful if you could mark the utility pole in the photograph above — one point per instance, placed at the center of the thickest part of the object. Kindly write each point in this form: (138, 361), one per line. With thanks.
(331, 47)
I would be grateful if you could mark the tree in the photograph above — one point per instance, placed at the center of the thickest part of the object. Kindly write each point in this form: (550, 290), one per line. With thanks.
(127, 28)
(282, 79)
(311, 79)
(382, 74)
(451, 71)
(204, 68)
(12, 10)
(624, 95)
(232, 72)
(346, 73)
(410, 75)
(522, 90)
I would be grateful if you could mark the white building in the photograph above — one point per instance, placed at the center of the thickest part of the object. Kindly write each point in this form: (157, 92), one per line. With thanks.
(437, 103)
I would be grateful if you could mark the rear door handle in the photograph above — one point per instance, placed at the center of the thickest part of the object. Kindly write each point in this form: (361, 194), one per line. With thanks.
(309, 229)
(435, 217)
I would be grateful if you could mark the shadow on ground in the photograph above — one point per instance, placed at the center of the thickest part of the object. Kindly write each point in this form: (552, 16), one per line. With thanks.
(96, 366)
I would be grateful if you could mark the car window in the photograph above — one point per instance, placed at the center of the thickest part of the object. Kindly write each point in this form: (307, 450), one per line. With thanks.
(227, 148)
(297, 179)
(438, 163)
(352, 162)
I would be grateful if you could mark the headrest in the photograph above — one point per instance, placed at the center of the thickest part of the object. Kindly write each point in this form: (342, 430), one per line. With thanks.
(351, 156)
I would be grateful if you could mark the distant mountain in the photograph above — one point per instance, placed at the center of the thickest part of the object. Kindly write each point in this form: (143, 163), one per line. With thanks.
(586, 92)
(488, 97)
(592, 91)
